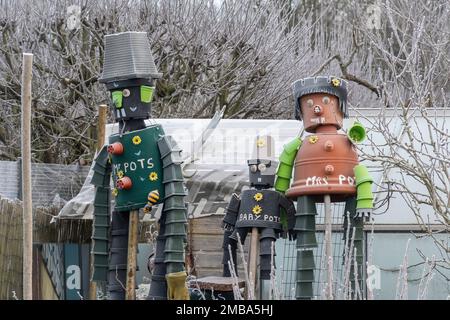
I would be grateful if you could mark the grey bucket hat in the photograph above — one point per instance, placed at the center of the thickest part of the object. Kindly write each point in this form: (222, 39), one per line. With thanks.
(128, 56)
(321, 84)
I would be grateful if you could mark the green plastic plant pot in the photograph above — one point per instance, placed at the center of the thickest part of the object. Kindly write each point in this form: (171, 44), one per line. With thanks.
(304, 291)
(147, 93)
(177, 215)
(172, 173)
(305, 205)
(100, 273)
(362, 174)
(174, 244)
(102, 178)
(175, 189)
(101, 220)
(101, 232)
(305, 276)
(174, 202)
(102, 159)
(305, 260)
(282, 184)
(357, 133)
(359, 234)
(102, 196)
(364, 202)
(101, 259)
(364, 191)
(359, 259)
(172, 158)
(174, 257)
(305, 223)
(167, 145)
(100, 245)
(289, 151)
(175, 229)
(284, 171)
(306, 240)
(101, 209)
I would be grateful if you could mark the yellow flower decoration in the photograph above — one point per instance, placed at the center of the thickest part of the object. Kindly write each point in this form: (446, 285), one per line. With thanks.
(153, 176)
(260, 143)
(257, 210)
(115, 192)
(258, 196)
(336, 82)
(136, 140)
(120, 174)
(313, 139)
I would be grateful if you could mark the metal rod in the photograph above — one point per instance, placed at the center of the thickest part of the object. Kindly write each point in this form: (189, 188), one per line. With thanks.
(328, 246)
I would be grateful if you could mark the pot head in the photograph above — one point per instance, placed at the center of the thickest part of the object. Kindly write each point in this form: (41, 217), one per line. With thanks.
(320, 101)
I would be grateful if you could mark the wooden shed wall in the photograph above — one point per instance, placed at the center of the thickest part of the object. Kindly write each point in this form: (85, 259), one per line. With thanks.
(205, 246)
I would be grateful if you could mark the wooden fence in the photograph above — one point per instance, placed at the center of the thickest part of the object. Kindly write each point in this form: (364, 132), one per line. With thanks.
(205, 246)
(10, 249)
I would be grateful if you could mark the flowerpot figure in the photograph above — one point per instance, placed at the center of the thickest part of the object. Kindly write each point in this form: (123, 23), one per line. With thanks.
(145, 168)
(258, 207)
(325, 164)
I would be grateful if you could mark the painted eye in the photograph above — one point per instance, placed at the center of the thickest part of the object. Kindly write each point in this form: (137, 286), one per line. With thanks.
(126, 92)
(326, 100)
(262, 167)
(253, 168)
(309, 102)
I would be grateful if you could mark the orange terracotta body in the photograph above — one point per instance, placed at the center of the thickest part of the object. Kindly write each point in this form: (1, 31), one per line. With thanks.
(325, 160)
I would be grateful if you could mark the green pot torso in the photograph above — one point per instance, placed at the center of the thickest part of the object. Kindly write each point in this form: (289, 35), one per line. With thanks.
(141, 162)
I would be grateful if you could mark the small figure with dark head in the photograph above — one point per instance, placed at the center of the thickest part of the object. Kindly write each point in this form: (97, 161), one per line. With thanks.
(258, 207)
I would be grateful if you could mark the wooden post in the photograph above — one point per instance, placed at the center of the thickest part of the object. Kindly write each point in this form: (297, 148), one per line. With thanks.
(101, 127)
(328, 246)
(26, 178)
(253, 260)
(132, 255)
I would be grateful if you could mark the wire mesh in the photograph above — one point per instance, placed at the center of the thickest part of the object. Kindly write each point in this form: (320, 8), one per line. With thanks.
(287, 255)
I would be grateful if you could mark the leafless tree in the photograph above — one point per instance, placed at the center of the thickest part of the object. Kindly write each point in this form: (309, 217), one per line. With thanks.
(241, 55)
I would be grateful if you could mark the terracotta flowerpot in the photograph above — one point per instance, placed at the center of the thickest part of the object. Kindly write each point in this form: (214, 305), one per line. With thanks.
(320, 169)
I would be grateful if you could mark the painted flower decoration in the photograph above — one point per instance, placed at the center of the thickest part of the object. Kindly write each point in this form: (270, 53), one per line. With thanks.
(313, 139)
(260, 143)
(257, 210)
(153, 176)
(120, 174)
(258, 196)
(336, 82)
(136, 140)
(115, 192)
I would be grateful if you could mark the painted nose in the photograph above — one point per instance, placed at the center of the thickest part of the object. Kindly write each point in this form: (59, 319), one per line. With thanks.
(116, 148)
(317, 110)
(124, 183)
